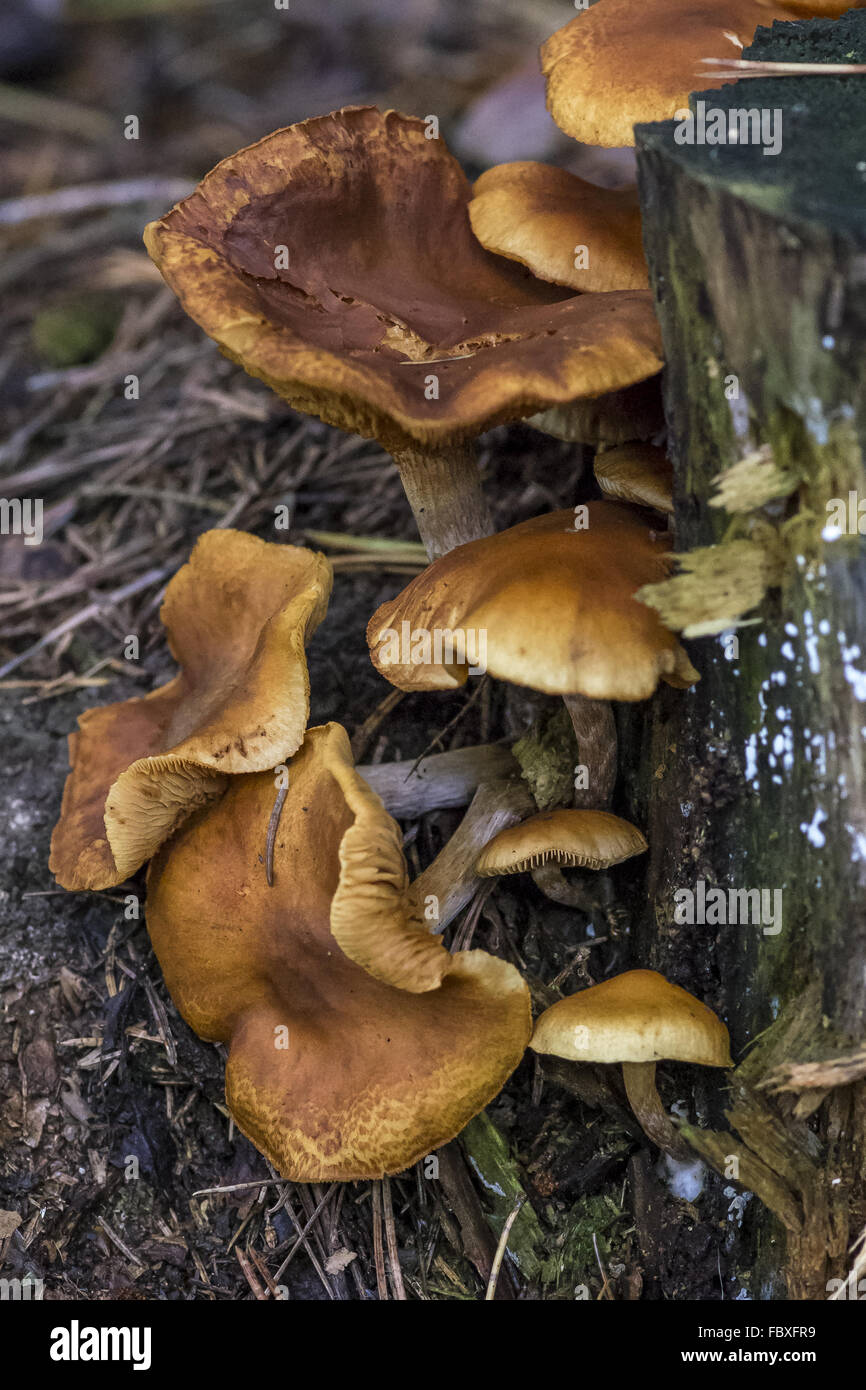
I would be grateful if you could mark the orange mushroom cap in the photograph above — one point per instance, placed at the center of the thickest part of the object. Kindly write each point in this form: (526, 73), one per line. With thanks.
(638, 1016)
(542, 216)
(237, 617)
(332, 1073)
(636, 473)
(619, 63)
(574, 839)
(545, 605)
(334, 260)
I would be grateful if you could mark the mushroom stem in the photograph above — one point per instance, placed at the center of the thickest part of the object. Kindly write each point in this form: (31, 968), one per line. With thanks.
(645, 1101)
(443, 488)
(451, 878)
(440, 782)
(595, 731)
(553, 884)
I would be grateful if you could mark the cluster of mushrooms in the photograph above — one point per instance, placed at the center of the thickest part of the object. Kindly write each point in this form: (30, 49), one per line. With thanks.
(346, 262)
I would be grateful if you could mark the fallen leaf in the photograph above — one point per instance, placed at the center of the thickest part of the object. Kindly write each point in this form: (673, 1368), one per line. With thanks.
(9, 1223)
(340, 1260)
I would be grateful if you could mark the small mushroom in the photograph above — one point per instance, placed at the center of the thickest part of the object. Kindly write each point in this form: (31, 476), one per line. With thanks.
(547, 218)
(545, 606)
(636, 412)
(619, 63)
(636, 1019)
(552, 840)
(637, 473)
(335, 1071)
(335, 261)
(237, 617)
(577, 234)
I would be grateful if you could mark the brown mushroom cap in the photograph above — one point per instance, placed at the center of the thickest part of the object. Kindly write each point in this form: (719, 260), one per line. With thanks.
(555, 607)
(237, 617)
(540, 215)
(635, 1017)
(571, 838)
(636, 473)
(619, 63)
(384, 283)
(331, 1073)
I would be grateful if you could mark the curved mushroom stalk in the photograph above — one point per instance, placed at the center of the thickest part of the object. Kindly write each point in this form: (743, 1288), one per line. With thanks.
(595, 730)
(452, 879)
(551, 881)
(654, 1120)
(443, 488)
(441, 782)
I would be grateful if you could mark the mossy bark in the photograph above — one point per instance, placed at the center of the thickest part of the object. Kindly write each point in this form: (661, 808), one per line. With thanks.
(755, 779)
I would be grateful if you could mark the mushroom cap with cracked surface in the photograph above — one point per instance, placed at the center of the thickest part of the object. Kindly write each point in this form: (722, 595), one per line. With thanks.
(334, 260)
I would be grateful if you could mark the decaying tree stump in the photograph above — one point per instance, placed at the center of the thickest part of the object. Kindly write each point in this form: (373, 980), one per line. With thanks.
(755, 780)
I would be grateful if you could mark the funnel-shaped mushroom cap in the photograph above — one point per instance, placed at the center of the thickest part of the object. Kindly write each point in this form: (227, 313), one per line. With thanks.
(540, 604)
(563, 228)
(331, 1073)
(334, 260)
(636, 1017)
(237, 617)
(619, 63)
(570, 838)
(636, 473)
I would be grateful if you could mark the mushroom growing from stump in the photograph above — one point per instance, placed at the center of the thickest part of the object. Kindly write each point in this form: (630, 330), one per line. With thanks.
(619, 63)
(545, 218)
(636, 1019)
(335, 261)
(640, 474)
(237, 617)
(553, 840)
(545, 606)
(542, 216)
(357, 1042)
(636, 412)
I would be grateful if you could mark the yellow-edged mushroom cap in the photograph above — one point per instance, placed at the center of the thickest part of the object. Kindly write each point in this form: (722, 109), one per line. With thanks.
(570, 838)
(635, 1017)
